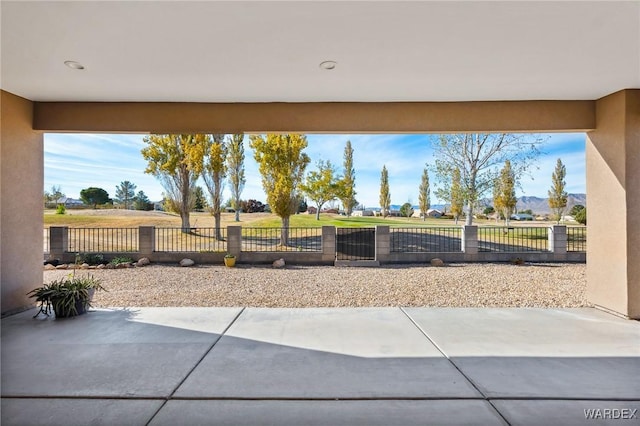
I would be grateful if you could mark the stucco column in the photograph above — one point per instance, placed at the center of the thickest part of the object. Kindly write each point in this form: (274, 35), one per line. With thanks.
(557, 240)
(21, 187)
(470, 241)
(613, 204)
(146, 240)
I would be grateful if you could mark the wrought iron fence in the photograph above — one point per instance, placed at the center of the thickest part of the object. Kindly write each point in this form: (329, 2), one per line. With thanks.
(516, 239)
(576, 238)
(355, 243)
(202, 240)
(426, 239)
(102, 240)
(301, 239)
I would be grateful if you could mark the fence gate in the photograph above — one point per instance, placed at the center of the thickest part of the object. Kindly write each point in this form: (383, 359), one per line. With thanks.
(355, 243)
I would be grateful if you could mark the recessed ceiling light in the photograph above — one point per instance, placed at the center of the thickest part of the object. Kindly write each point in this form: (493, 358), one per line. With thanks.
(328, 65)
(74, 65)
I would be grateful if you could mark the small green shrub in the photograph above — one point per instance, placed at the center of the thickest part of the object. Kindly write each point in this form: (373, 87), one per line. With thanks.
(581, 216)
(118, 260)
(67, 297)
(61, 209)
(90, 258)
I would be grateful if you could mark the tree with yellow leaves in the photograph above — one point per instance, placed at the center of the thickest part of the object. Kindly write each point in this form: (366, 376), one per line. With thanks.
(214, 172)
(177, 162)
(281, 163)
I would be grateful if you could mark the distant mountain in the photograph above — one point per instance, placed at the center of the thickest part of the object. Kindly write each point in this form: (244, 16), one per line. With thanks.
(541, 205)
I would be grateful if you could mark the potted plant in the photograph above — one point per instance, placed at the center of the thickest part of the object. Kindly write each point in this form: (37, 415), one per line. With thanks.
(67, 297)
(229, 260)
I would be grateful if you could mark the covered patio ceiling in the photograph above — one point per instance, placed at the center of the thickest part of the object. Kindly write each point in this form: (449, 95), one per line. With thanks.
(263, 51)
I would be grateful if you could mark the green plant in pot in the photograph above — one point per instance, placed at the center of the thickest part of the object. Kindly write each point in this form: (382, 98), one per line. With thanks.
(67, 297)
(229, 260)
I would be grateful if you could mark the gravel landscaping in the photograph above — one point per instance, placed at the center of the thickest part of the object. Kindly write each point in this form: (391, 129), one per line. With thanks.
(551, 285)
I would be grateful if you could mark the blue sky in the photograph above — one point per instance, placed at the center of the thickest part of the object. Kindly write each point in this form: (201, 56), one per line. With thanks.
(77, 161)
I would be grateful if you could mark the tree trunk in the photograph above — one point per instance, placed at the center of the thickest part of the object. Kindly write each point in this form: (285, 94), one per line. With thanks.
(186, 227)
(469, 220)
(216, 219)
(318, 213)
(237, 215)
(284, 235)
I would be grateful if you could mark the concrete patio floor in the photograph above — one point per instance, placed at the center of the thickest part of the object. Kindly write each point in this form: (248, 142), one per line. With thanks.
(321, 366)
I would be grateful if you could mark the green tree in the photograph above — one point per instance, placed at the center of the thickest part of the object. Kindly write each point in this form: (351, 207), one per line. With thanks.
(199, 199)
(576, 209)
(581, 216)
(94, 196)
(424, 194)
(235, 169)
(125, 193)
(321, 185)
(141, 202)
(406, 209)
(457, 197)
(477, 158)
(385, 196)
(504, 196)
(347, 184)
(281, 162)
(215, 170)
(177, 162)
(557, 194)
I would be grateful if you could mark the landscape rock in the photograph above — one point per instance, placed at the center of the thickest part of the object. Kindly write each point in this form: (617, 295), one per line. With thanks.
(123, 266)
(63, 266)
(187, 262)
(101, 266)
(437, 262)
(53, 262)
(109, 266)
(84, 266)
(143, 262)
(279, 263)
(49, 267)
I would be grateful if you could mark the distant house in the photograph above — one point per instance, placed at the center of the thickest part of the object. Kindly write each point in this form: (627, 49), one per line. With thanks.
(69, 202)
(521, 216)
(430, 213)
(360, 213)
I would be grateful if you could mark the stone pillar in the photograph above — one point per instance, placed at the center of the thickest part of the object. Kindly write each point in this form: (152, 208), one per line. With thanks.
(328, 243)
(613, 204)
(21, 219)
(146, 240)
(234, 240)
(558, 241)
(470, 240)
(383, 243)
(58, 241)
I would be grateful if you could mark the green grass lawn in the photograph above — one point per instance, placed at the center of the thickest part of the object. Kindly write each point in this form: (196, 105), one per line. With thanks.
(309, 220)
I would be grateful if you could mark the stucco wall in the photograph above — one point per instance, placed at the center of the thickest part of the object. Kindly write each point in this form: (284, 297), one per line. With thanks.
(21, 186)
(613, 197)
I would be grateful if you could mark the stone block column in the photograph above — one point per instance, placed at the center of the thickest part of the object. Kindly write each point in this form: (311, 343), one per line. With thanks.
(328, 243)
(234, 240)
(146, 240)
(470, 240)
(58, 241)
(383, 243)
(558, 241)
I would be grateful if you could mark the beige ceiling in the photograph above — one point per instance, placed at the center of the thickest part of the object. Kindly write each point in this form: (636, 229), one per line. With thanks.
(262, 51)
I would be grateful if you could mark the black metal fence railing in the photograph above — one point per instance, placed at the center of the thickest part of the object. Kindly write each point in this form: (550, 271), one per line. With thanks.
(515, 239)
(302, 239)
(576, 238)
(102, 240)
(355, 243)
(202, 240)
(426, 239)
